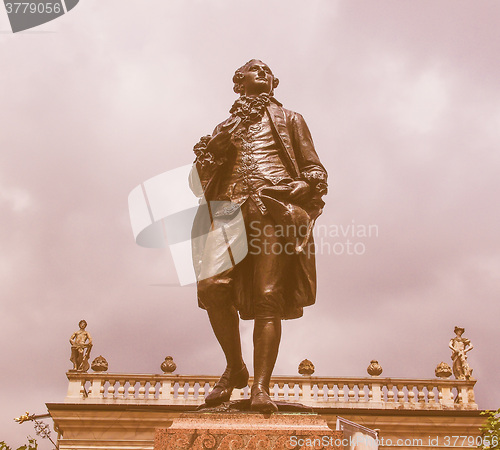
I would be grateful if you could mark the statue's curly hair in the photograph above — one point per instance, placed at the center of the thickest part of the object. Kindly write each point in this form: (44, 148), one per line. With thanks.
(238, 79)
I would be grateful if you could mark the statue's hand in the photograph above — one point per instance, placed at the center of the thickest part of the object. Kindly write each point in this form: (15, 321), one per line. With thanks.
(219, 143)
(299, 189)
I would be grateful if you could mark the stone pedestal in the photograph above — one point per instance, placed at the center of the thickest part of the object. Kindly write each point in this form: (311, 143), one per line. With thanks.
(225, 431)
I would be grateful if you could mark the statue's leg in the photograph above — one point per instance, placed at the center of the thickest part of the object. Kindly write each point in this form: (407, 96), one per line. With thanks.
(225, 323)
(266, 340)
(270, 267)
(215, 293)
(80, 358)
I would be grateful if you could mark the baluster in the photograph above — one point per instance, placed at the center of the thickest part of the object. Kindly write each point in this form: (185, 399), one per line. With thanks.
(331, 392)
(121, 389)
(181, 391)
(131, 389)
(291, 391)
(190, 393)
(324, 392)
(361, 392)
(272, 390)
(351, 392)
(370, 392)
(390, 393)
(152, 389)
(281, 391)
(111, 389)
(319, 393)
(430, 394)
(401, 393)
(201, 390)
(341, 392)
(411, 393)
(421, 394)
(142, 389)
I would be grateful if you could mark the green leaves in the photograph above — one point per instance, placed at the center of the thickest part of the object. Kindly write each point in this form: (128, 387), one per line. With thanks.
(491, 430)
(32, 445)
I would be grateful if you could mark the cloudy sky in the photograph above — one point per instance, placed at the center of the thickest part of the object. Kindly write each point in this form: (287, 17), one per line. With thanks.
(402, 98)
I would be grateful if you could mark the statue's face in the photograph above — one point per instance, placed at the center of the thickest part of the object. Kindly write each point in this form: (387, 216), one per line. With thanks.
(258, 78)
(82, 324)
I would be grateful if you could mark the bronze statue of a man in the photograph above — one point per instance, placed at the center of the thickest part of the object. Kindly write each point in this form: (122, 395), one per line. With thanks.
(262, 161)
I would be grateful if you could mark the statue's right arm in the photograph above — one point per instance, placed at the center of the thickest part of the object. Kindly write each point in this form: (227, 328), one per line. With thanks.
(210, 154)
(203, 166)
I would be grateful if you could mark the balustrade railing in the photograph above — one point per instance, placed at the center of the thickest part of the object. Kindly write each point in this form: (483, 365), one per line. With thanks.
(318, 392)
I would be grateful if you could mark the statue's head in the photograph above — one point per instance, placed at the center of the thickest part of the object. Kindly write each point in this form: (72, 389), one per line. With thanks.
(459, 330)
(82, 324)
(254, 78)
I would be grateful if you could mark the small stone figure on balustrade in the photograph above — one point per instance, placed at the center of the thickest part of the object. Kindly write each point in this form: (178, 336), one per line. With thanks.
(460, 346)
(81, 344)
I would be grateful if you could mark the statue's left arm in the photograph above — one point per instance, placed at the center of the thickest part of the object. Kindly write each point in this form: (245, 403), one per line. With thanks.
(468, 346)
(310, 168)
(89, 337)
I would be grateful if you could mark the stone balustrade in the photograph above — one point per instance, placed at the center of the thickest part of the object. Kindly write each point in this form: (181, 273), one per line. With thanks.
(318, 392)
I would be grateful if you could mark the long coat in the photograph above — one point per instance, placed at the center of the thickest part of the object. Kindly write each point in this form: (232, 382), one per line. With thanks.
(299, 156)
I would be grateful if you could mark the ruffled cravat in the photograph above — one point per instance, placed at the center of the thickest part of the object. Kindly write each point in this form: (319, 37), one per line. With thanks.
(250, 109)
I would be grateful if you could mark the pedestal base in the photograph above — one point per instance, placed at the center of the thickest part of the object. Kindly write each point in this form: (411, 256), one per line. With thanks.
(225, 431)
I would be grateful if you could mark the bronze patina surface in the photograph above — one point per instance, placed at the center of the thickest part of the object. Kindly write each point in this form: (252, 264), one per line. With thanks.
(262, 161)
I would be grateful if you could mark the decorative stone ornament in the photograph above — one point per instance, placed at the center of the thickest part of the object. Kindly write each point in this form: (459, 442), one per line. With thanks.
(306, 367)
(99, 364)
(168, 366)
(374, 369)
(443, 370)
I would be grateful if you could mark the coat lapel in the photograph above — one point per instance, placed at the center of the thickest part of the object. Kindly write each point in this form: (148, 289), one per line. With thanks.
(278, 121)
